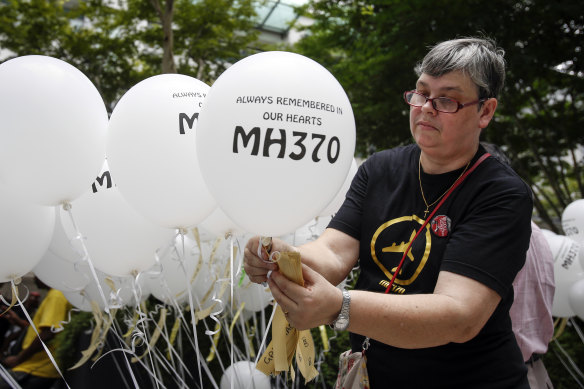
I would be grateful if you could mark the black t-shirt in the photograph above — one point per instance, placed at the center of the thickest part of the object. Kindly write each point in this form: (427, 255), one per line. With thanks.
(481, 231)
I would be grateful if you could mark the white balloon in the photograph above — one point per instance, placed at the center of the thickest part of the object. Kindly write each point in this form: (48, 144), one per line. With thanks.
(567, 271)
(173, 282)
(244, 376)
(339, 199)
(255, 296)
(275, 140)
(219, 224)
(151, 150)
(211, 274)
(25, 234)
(118, 291)
(576, 298)
(61, 274)
(573, 220)
(53, 125)
(63, 247)
(556, 242)
(120, 241)
(309, 232)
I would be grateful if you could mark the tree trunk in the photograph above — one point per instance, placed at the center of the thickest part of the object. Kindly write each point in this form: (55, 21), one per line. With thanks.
(165, 16)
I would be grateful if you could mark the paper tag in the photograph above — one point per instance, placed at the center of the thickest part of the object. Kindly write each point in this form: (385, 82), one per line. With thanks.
(287, 341)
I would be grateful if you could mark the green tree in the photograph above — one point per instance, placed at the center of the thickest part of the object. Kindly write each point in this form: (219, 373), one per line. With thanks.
(198, 38)
(373, 46)
(118, 46)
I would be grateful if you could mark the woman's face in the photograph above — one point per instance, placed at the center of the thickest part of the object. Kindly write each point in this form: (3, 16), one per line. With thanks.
(449, 135)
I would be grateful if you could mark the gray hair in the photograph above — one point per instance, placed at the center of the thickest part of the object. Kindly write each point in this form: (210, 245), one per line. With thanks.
(479, 58)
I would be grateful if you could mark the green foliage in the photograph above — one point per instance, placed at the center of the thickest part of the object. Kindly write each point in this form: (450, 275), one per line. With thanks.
(116, 47)
(66, 340)
(373, 46)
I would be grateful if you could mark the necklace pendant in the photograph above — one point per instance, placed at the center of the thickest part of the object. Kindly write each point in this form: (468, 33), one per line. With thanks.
(426, 213)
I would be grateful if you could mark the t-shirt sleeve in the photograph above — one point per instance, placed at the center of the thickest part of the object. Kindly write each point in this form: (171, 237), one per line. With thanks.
(56, 307)
(489, 245)
(348, 218)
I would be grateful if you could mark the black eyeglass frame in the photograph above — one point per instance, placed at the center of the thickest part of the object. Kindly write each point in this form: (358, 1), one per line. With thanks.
(458, 107)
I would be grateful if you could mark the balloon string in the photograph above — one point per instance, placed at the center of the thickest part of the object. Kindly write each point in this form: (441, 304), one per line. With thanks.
(15, 291)
(266, 332)
(231, 275)
(61, 326)
(160, 330)
(143, 319)
(86, 257)
(200, 363)
(577, 328)
(7, 377)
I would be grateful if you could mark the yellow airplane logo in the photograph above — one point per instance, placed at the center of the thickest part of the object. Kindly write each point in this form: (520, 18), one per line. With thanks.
(400, 248)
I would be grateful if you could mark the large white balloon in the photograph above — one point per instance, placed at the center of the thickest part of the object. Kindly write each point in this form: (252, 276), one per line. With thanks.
(151, 150)
(244, 376)
(25, 234)
(573, 220)
(53, 125)
(275, 140)
(120, 241)
(339, 199)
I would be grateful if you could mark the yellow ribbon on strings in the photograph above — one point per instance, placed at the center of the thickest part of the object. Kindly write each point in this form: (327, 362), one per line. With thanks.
(173, 335)
(200, 315)
(211, 355)
(560, 328)
(250, 333)
(287, 341)
(324, 338)
(155, 335)
(14, 287)
(96, 336)
(128, 335)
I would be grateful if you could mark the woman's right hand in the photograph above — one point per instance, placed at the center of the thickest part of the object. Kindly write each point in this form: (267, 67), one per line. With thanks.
(257, 267)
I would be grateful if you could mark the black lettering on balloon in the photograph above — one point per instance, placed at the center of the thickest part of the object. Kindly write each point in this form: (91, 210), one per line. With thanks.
(300, 148)
(301, 136)
(268, 141)
(190, 121)
(104, 177)
(329, 154)
(240, 132)
(321, 139)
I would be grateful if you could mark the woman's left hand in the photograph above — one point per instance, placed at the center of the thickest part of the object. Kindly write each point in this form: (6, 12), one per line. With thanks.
(317, 302)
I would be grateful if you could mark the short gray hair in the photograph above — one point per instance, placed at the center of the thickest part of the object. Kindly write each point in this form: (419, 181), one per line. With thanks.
(479, 58)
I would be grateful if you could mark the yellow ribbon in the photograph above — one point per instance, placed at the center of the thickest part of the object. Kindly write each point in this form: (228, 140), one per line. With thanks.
(14, 287)
(173, 335)
(211, 355)
(560, 328)
(155, 335)
(324, 337)
(97, 335)
(287, 341)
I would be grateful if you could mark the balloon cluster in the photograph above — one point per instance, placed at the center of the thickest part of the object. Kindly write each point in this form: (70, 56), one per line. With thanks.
(111, 210)
(568, 252)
